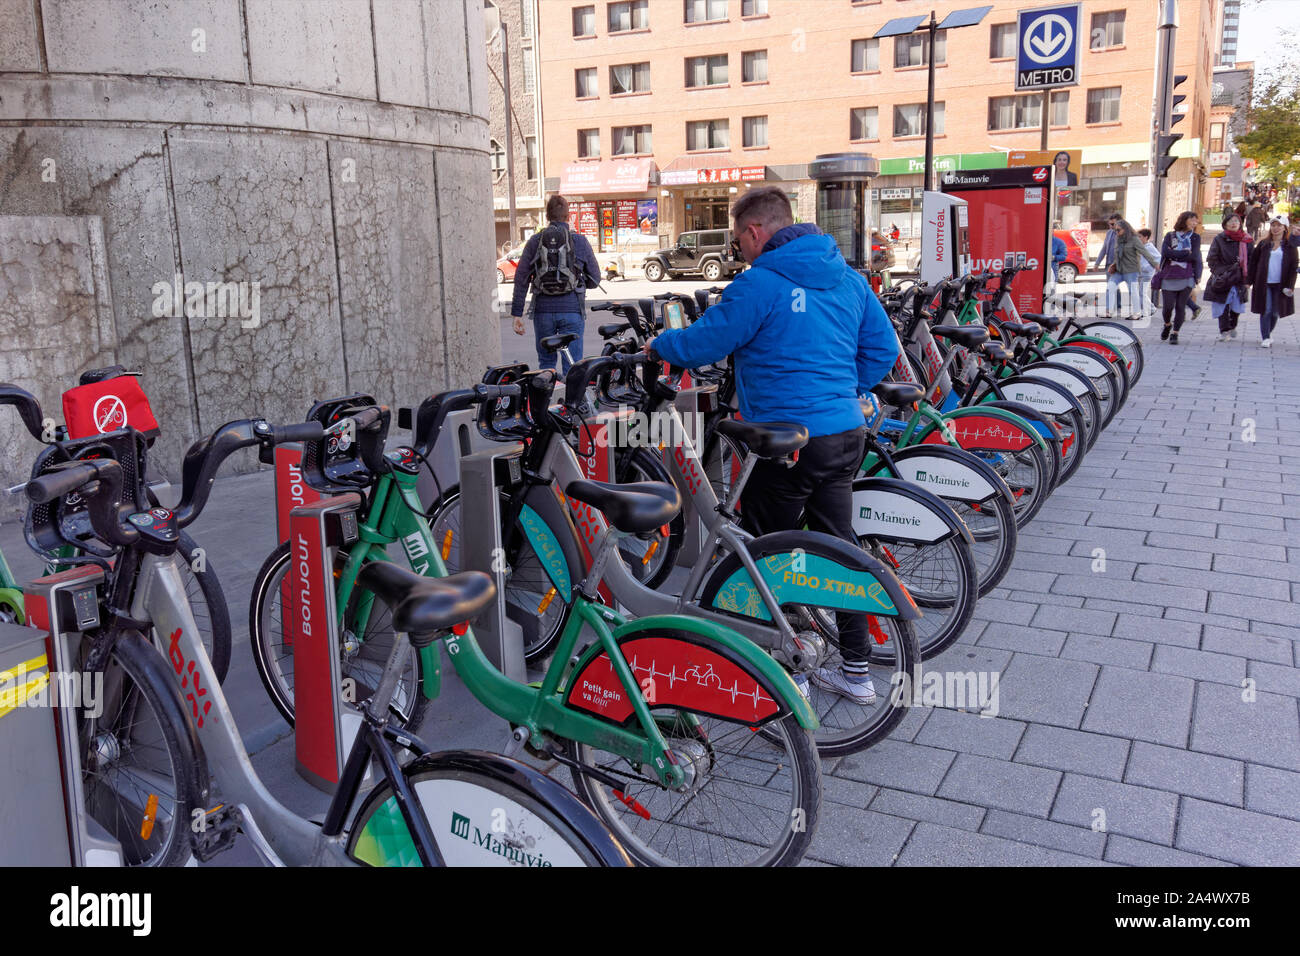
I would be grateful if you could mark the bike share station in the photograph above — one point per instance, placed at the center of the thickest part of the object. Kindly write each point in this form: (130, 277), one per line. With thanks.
(41, 797)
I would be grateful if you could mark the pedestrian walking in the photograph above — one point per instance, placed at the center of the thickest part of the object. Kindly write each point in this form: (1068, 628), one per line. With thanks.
(1255, 217)
(1145, 271)
(1229, 262)
(557, 264)
(1180, 272)
(1128, 253)
(1272, 272)
(1107, 255)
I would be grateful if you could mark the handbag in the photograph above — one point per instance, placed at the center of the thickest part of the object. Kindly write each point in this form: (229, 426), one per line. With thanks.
(1158, 277)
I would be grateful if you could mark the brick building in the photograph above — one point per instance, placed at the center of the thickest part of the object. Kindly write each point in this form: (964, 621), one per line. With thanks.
(520, 18)
(676, 106)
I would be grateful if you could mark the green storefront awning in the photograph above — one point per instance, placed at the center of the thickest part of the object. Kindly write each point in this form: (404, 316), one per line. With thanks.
(944, 163)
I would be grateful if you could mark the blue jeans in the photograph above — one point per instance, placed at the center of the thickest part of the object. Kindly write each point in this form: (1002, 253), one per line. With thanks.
(1268, 318)
(1112, 292)
(556, 323)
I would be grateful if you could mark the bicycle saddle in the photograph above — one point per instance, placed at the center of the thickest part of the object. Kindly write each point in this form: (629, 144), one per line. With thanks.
(90, 376)
(423, 606)
(898, 394)
(1050, 322)
(996, 352)
(766, 439)
(607, 331)
(635, 506)
(1021, 328)
(553, 343)
(968, 336)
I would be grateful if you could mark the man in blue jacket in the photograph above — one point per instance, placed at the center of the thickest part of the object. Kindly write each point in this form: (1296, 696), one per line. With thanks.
(807, 337)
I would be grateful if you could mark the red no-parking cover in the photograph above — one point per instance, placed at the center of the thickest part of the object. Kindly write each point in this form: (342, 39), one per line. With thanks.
(107, 406)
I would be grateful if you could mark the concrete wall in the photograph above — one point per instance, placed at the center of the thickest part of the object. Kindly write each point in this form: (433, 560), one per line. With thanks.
(328, 157)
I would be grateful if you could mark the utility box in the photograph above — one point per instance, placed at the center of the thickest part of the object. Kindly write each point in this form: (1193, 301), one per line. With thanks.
(945, 237)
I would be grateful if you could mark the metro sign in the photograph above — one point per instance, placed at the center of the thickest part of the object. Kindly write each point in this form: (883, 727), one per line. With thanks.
(1047, 50)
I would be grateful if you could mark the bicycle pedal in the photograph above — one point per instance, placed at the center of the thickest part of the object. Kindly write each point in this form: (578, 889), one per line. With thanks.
(214, 830)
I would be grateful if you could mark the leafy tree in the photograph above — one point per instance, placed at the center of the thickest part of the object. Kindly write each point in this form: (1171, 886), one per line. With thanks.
(1275, 141)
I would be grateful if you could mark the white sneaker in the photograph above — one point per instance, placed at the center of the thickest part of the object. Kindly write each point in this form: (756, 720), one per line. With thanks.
(1223, 337)
(1233, 333)
(835, 680)
(1266, 344)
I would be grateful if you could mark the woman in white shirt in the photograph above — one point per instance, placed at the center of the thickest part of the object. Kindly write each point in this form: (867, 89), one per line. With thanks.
(1273, 274)
(1145, 271)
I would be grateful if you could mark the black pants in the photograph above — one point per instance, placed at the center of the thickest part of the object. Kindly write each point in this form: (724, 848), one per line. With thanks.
(1175, 305)
(819, 487)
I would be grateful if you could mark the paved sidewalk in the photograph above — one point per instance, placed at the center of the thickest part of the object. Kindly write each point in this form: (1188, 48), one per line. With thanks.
(1147, 712)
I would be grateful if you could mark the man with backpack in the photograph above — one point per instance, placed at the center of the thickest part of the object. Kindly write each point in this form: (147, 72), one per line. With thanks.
(559, 266)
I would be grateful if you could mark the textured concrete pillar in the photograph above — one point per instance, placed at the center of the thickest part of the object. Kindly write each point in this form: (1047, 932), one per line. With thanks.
(319, 166)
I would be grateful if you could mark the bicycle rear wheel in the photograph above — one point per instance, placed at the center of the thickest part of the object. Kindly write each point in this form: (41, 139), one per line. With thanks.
(143, 771)
(483, 810)
(750, 799)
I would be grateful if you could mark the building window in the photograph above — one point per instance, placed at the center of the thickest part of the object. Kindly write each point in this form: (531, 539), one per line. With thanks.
(629, 78)
(1216, 137)
(705, 11)
(584, 21)
(910, 50)
(629, 140)
(498, 157)
(1002, 41)
(909, 119)
(707, 134)
(1015, 112)
(706, 71)
(863, 123)
(1060, 115)
(865, 57)
(1107, 30)
(526, 19)
(584, 82)
(755, 131)
(588, 143)
(753, 66)
(1103, 105)
(753, 8)
(629, 16)
(530, 72)
(530, 154)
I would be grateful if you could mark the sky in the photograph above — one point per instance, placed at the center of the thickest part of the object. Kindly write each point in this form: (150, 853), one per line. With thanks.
(1263, 36)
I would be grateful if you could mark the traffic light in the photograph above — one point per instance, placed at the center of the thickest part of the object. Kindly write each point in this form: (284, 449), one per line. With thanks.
(1176, 117)
(1165, 143)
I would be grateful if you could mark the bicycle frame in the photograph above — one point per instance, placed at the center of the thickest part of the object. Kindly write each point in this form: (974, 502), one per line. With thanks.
(550, 708)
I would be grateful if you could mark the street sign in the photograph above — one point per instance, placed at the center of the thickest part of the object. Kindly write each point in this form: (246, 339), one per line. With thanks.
(1221, 159)
(1047, 47)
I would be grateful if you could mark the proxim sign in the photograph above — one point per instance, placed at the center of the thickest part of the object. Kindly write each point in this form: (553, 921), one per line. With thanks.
(1047, 47)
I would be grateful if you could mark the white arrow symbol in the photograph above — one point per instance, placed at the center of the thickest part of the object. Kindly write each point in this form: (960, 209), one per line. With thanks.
(1047, 44)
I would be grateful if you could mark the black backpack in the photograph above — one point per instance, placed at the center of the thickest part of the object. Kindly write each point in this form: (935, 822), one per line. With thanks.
(556, 270)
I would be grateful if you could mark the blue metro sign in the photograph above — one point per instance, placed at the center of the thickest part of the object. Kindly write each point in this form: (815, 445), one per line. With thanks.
(1047, 47)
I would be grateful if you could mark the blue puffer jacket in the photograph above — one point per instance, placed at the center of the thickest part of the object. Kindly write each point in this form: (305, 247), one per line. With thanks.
(806, 331)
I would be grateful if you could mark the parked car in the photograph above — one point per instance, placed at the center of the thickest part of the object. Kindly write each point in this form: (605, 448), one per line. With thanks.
(1076, 261)
(705, 252)
(508, 263)
(882, 252)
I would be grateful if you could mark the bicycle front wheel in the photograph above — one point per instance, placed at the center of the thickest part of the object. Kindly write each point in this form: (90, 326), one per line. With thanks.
(942, 581)
(750, 799)
(143, 772)
(483, 810)
(208, 603)
(363, 654)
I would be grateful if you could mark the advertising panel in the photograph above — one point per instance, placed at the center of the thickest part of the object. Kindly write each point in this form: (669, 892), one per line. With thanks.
(1008, 223)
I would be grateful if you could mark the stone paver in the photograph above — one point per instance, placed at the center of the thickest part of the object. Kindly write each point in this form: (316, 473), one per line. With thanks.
(1264, 730)
(1141, 705)
(1116, 807)
(1238, 836)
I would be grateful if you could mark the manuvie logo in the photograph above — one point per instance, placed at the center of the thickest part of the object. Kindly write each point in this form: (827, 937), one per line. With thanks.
(75, 909)
(459, 825)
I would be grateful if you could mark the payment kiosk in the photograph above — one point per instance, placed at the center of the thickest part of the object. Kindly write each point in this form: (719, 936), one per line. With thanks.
(945, 237)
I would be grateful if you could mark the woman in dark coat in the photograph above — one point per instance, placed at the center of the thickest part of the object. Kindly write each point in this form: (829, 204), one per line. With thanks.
(1272, 271)
(1228, 261)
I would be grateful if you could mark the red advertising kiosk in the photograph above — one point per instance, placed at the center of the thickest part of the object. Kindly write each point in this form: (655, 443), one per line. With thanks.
(1010, 219)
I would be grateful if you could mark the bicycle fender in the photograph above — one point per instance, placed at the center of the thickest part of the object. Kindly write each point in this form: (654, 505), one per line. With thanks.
(984, 428)
(893, 510)
(1067, 376)
(947, 472)
(12, 598)
(1087, 361)
(1036, 394)
(553, 539)
(807, 567)
(691, 664)
(1096, 343)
